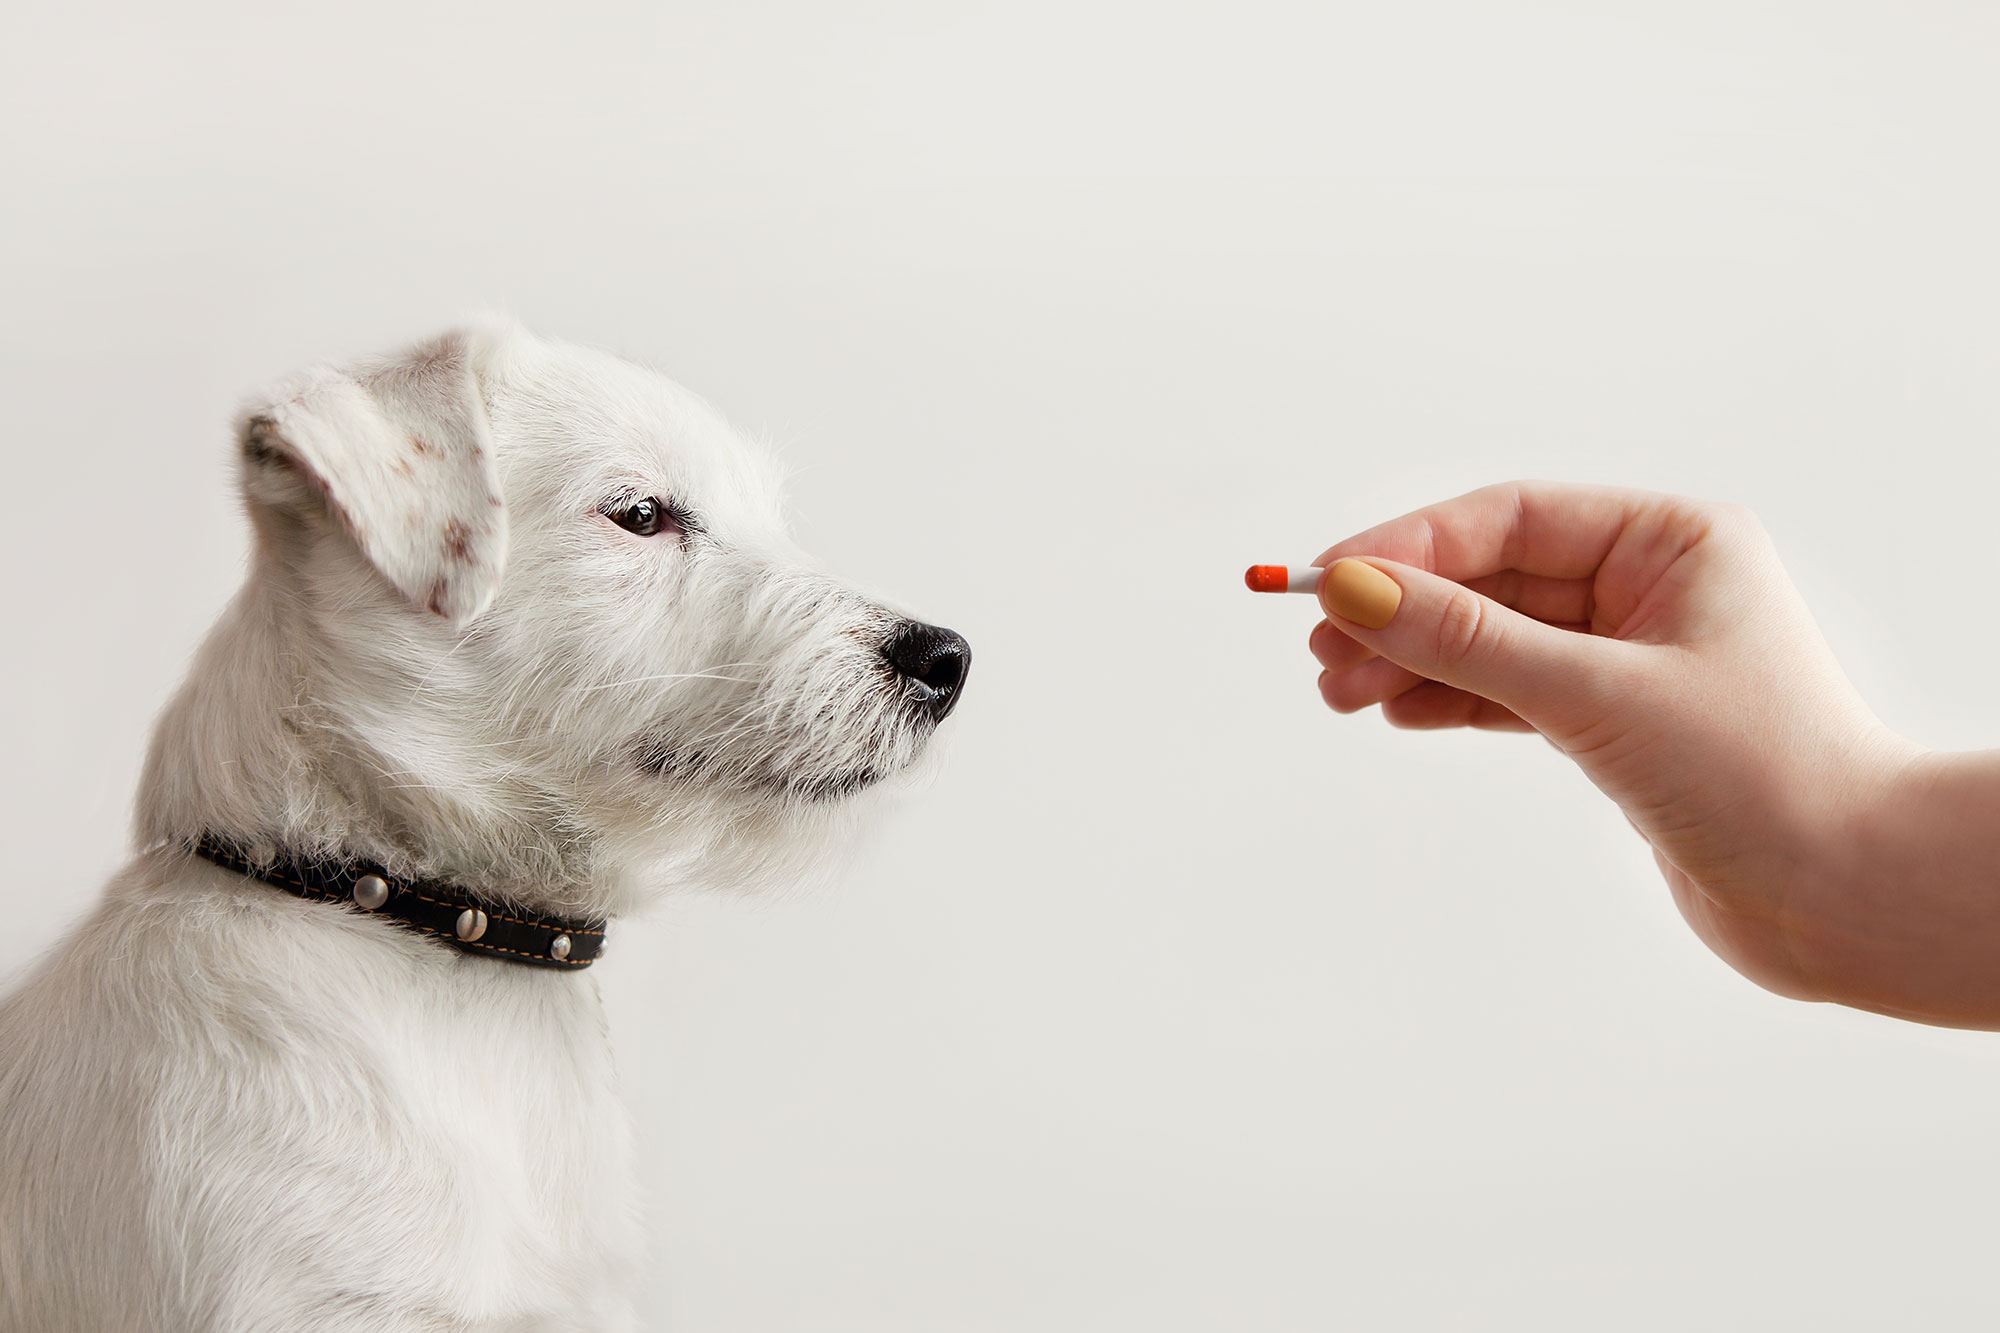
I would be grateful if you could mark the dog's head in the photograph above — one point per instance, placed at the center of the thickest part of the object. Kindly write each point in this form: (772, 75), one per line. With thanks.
(547, 610)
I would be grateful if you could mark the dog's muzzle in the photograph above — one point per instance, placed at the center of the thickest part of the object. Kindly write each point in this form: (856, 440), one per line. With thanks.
(933, 662)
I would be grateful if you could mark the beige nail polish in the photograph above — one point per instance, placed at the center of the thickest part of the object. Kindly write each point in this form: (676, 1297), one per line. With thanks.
(1355, 590)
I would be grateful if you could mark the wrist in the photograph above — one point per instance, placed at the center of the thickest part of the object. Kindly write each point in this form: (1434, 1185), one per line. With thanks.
(1901, 918)
(1871, 798)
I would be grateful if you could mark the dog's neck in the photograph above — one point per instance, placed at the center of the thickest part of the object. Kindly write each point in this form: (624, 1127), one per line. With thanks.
(246, 750)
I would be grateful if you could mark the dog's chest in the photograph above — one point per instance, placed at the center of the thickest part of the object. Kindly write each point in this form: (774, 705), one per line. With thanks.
(521, 1195)
(441, 1138)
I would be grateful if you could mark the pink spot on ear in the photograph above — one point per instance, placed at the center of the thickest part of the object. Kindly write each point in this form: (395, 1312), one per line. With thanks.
(457, 540)
(439, 591)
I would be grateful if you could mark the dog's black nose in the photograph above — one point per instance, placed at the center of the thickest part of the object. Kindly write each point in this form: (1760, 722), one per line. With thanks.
(932, 659)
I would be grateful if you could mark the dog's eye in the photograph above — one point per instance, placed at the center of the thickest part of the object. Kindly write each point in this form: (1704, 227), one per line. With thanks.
(645, 518)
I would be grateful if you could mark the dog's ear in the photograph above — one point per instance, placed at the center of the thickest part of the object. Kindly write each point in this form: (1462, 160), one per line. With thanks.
(397, 453)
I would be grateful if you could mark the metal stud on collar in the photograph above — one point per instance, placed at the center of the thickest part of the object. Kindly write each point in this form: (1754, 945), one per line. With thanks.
(559, 948)
(471, 924)
(370, 892)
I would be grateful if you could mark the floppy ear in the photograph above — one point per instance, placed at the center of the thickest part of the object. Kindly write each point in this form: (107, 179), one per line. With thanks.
(396, 452)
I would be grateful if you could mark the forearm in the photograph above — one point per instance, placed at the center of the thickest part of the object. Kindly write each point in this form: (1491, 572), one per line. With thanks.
(1904, 918)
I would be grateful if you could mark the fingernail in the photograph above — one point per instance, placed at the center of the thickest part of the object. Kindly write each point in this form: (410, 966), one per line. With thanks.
(1355, 590)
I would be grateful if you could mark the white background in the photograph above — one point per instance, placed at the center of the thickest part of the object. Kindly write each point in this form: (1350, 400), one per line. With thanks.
(1177, 1002)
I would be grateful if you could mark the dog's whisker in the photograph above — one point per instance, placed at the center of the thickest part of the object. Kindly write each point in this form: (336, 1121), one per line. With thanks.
(668, 676)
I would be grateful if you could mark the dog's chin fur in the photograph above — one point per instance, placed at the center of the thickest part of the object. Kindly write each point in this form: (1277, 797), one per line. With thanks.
(680, 764)
(226, 1108)
(701, 823)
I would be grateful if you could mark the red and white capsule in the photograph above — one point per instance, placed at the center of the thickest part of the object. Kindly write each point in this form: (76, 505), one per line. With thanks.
(1281, 578)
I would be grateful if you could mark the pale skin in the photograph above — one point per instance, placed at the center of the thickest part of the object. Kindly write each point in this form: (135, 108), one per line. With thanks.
(1658, 642)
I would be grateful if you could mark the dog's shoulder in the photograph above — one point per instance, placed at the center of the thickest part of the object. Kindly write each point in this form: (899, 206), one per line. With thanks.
(243, 1097)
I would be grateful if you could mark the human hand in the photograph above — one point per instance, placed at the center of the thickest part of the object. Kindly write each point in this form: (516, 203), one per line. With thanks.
(1658, 642)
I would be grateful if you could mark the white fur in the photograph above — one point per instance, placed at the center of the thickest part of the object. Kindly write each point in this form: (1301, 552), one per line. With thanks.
(225, 1108)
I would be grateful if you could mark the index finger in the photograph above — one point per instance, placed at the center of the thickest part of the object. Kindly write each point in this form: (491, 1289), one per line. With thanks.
(1555, 530)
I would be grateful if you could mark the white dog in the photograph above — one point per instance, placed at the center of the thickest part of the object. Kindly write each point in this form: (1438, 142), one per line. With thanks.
(523, 642)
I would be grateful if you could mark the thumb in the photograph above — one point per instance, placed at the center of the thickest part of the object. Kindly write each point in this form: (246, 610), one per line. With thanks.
(1446, 632)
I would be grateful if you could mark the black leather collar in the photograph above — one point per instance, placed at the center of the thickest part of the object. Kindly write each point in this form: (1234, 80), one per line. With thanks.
(425, 906)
